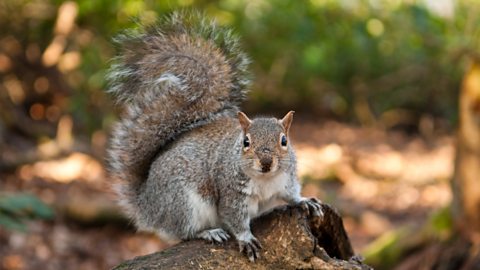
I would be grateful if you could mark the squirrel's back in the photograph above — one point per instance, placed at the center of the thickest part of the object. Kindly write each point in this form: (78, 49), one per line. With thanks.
(170, 78)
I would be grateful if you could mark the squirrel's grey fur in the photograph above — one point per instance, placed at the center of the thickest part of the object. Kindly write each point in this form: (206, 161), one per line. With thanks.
(177, 155)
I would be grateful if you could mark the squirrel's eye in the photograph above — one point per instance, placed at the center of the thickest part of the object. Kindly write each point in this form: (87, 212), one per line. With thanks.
(283, 140)
(246, 142)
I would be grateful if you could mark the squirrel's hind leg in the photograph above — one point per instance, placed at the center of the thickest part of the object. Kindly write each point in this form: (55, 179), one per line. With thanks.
(214, 235)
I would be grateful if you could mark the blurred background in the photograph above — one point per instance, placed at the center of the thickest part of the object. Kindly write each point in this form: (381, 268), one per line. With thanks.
(387, 129)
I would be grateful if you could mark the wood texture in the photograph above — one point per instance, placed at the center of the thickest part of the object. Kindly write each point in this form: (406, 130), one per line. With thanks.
(291, 239)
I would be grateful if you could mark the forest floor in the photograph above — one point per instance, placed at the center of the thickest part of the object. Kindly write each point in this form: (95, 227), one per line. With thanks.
(379, 181)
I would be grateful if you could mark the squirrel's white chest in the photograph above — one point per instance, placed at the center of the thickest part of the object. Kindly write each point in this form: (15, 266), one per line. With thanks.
(263, 193)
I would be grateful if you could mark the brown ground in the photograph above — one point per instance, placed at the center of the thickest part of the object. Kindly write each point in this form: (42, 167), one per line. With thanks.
(379, 181)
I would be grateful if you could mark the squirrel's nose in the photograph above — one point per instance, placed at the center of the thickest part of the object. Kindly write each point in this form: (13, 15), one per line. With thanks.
(266, 163)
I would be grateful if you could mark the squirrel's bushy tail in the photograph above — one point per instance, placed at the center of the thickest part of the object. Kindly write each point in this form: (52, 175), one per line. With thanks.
(169, 77)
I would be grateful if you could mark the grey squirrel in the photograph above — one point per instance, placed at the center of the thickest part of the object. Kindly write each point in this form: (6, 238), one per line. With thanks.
(186, 163)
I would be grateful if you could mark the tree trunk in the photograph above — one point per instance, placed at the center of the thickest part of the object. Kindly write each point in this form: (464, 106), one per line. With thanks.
(462, 250)
(466, 184)
(291, 240)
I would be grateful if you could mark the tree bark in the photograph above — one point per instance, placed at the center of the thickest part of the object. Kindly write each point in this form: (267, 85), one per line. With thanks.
(291, 239)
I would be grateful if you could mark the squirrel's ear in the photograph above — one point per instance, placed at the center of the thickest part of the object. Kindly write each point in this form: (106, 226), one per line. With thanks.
(287, 121)
(245, 122)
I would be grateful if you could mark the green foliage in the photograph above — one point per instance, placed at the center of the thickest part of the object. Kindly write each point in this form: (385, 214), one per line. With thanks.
(16, 208)
(389, 247)
(327, 57)
(386, 249)
(441, 223)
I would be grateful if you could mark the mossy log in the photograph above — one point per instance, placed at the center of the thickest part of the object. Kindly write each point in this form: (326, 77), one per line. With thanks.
(291, 239)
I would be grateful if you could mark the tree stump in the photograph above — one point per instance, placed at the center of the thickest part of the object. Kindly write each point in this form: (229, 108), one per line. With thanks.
(291, 239)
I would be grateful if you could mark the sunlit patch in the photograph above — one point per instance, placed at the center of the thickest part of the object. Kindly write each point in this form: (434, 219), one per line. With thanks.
(67, 13)
(435, 195)
(69, 61)
(374, 224)
(65, 21)
(74, 167)
(318, 161)
(64, 132)
(375, 27)
(389, 164)
(411, 164)
(53, 52)
(14, 89)
(361, 190)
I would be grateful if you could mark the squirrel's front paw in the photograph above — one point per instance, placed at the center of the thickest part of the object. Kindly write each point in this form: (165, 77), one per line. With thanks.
(214, 235)
(312, 206)
(251, 247)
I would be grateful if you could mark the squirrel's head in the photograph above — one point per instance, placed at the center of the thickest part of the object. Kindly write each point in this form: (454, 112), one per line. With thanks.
(265, 144)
